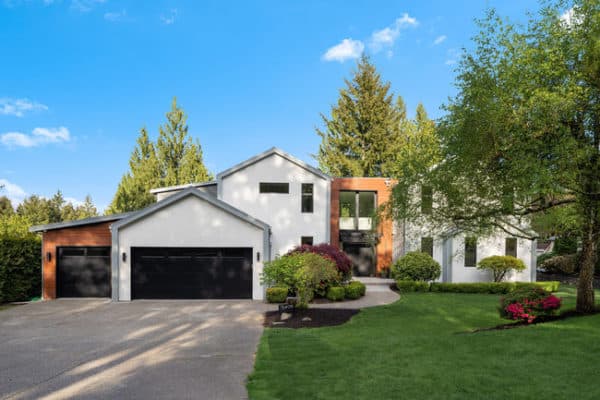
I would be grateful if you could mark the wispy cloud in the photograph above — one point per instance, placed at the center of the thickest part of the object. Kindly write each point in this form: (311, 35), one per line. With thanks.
(116, 16)
(18, 107)
(387, 36)
(38, 137)
(452, 56)
(347, 49)
(14, 192)
(169, 19)
(85, 5)
(439, 40)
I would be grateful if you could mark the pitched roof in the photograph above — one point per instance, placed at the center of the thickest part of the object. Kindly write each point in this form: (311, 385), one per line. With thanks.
(81, 222)
(270, 152)
(179, 187)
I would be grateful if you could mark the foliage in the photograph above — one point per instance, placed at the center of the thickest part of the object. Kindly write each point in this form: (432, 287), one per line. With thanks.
(561, 264)
(491, 287)
(6, 207)
(412, 286)
(550, 286)
(173, 160)
(416, 266)
(354, 290)
(557, 221)
(367, 130)
(543, 257)
(565, 244)
(341, 260)
(521, 135)
(39, 210)
(500, 266)
(528, 304)
(336, 293)
(315, 276)
(362, 288)
(277, 294)
(282, 271)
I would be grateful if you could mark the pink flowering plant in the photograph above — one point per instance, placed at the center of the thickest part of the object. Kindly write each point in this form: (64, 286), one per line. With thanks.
(529, 304)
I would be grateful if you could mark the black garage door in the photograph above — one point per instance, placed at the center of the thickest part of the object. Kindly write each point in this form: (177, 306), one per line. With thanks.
(83, 272)
(191, 273)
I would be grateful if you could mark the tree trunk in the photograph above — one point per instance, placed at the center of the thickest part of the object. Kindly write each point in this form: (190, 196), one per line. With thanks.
(591, 233)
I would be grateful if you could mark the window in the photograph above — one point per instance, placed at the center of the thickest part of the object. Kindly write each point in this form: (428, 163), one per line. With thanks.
(470, 251)
(307, 197)
(308, 240)
(357, 210)
(274, 187)
(366, 210)
(510, 247)
(427, 245)
(347, 210)
(426, 199)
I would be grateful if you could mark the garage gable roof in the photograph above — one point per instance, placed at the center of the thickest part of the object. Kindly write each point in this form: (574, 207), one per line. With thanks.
(186, 193)
(270, 152)
(179, 187)
(81, 222)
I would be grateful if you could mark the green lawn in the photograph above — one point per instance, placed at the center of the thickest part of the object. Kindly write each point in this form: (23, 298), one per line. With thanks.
(416, 349)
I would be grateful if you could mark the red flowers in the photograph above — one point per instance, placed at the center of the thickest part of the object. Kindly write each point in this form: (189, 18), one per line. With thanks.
(527, 305)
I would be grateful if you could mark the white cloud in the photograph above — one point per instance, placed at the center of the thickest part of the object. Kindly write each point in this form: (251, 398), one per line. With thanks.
(14, 192)
(439, 40)
(452, 56)
(347, 49)
(569, 18)
(387, 36)
(38, 137)
(85, 5)
(115, 16)
(170, 18)
(74, 201)
(18, 107)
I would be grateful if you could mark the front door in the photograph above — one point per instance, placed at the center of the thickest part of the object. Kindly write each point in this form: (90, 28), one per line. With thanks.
(363, 259)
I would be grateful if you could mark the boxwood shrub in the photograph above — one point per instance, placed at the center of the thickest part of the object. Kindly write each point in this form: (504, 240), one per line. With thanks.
(20, 268)
(336, 293)
(551, 286)
(491, 287)
(355, 290)
(277, 294)
(416, 266)
(412, 286)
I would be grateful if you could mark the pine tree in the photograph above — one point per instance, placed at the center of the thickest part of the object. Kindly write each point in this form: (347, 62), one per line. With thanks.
(365, 129)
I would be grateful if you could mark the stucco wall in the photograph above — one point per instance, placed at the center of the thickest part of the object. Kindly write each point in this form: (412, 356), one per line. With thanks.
(281, 211)
(190, 222)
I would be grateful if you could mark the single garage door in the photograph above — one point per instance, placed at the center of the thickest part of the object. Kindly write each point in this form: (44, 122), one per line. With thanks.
(83, 272)
(191, 273)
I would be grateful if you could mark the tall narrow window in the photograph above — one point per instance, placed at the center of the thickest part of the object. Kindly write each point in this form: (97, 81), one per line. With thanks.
(470, 251)
(427, 245)
(307, 198)
(348, 211)
(274, 187)
(426, 199)
(510, 247)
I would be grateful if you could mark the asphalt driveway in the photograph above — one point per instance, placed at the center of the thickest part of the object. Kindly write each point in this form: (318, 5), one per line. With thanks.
(142, 349)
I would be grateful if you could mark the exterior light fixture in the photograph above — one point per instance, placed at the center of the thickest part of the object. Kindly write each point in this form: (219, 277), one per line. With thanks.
(258, 256)
(49, 256)
(124, 256)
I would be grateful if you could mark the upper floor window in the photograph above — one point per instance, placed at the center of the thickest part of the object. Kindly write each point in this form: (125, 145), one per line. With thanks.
(510, 247)
(307, 198)
(470, 251)
(357, 210)
(426, 199)
(274, 187)
(427, 245)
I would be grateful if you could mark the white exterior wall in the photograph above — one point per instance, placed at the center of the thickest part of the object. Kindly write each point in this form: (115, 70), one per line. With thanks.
(281, 211)
(489, 246)
(413, 243)
(190, 222)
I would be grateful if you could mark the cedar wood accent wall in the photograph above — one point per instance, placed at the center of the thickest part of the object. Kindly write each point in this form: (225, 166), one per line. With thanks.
(86, 235)
(385, 246)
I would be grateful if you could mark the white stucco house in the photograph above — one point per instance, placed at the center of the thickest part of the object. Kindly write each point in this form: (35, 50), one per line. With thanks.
(211, 239)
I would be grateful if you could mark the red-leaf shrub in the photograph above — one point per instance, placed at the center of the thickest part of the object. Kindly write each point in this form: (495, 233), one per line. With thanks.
(341, 260)
(527, 304)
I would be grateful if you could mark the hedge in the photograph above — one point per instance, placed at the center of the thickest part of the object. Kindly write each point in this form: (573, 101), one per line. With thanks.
(336, 293)
(476, 287)
(355, 290)
(277, 294)
(412, 286)
(20, 268)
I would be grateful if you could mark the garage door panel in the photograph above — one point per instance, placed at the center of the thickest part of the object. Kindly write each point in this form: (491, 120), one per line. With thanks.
(83, 272)
(191, 273)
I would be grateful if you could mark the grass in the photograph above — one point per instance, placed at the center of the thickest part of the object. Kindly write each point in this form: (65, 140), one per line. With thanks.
(417, 348)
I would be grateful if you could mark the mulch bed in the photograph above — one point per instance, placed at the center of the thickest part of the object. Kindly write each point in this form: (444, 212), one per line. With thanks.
(566, 279)
(309, 318)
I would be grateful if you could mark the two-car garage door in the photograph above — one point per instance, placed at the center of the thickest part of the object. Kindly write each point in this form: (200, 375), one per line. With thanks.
(191, 273)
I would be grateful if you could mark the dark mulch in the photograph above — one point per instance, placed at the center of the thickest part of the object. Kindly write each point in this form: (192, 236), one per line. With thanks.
(540, 320)
(566, 279)
(313, 318)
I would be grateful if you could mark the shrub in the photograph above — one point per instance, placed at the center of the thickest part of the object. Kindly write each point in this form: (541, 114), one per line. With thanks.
(341, 260)
(412, 286)
(355, 290)
(500, 266)
(561, 264)
(565, 245)
(550, 286)
(281, 271)
(474, 287)
(416, 266)
(314, 276)
(20, 268)
(277, 294)
(336, 293)
(527, 304)
(543, 257)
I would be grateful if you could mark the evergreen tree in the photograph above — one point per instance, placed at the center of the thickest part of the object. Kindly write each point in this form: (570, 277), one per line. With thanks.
(6, 207)
(365, 129)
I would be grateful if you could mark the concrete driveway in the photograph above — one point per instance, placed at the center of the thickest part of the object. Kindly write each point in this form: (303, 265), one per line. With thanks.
(142, 349)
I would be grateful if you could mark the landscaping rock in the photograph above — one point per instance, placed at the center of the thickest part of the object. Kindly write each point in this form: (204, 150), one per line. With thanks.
(306, 319)
(285, 316)
(278, 323)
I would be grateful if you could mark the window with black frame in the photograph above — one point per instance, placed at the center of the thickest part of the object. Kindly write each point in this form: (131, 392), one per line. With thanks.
(427, 245)
(274, 187)
(510, 247)
(307, 198)
(470, 251)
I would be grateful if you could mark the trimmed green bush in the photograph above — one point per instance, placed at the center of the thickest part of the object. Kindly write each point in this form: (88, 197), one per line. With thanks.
(315, 276)
(412, 286)
(475, 287)
(550, 286)
(20, 268)
(500, 266)
(336, 293)
(355, 290)
(416, 266)
(566, 265)
(277, 294)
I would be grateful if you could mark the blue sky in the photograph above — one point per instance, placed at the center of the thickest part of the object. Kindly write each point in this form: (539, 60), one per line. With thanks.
(79, 78)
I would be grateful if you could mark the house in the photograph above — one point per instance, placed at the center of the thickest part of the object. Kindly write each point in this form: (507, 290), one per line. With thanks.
(211, 239)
